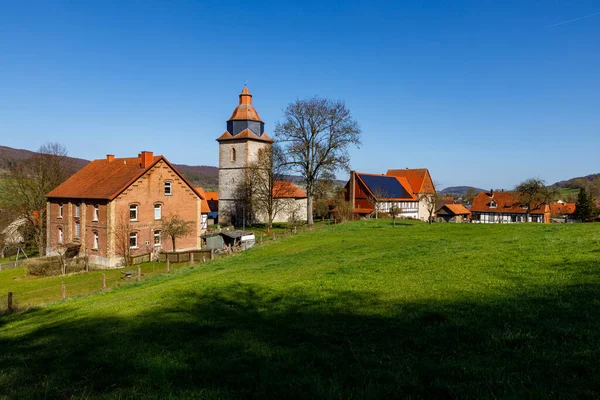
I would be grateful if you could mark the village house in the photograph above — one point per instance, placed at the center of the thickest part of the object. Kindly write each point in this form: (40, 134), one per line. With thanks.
(421, 184)
(367, 192)
(504, 207)
(115, 207)
(405, 190)
(453, 212)
(561, 210)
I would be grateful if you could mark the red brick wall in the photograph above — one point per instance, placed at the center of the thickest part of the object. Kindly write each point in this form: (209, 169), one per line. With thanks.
(148, 191)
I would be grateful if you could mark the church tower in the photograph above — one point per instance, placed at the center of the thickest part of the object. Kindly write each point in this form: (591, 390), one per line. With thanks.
(238, 149)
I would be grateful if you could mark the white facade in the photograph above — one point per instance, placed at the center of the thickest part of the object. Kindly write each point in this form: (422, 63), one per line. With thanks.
(500, 218)
(407, 209)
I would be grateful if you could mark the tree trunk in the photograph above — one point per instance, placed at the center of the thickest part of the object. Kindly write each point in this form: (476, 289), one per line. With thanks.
(309, 214)
(40, 241)
(173, 241)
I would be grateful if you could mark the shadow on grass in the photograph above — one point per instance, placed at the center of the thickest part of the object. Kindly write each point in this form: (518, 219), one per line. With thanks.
(251, 342)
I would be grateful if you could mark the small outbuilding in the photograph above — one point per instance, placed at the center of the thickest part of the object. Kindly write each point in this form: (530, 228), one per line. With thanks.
(237, 237)
(454, 213)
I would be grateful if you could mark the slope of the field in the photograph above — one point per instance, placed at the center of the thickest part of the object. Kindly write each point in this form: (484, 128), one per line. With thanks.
(361, 310)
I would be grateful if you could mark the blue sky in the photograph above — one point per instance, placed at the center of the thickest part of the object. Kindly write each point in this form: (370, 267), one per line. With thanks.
(483, 93)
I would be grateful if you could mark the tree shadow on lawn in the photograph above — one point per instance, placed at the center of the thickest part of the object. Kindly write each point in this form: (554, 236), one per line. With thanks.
(244, 341)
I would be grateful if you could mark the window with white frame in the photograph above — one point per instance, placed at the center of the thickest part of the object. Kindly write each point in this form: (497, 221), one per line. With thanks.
(133, 212)
(493, 204)
(95, 215)
(96, 241)
(77, 230)
(157, 238)
(60, 210)
(133, 240)
(60, 235)
(77, 210)
(157, 211)
(168, 188)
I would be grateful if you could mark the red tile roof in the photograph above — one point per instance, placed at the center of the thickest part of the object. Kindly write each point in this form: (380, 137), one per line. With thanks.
(506, 202)
(419, 179)
(458, 209)
(245, 110)
(287, 190)
(562, 208)
(107, 178)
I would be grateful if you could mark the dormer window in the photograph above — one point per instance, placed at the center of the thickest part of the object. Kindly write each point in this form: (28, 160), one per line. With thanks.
(493, 204)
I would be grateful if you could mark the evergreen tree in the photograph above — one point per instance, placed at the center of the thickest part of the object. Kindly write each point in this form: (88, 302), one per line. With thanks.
(585, 208)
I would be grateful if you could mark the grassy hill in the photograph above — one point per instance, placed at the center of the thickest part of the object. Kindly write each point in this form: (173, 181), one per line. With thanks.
(361, 310)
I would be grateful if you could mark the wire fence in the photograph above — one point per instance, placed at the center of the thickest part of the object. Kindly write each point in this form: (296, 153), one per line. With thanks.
(57, 288)
(11, 264)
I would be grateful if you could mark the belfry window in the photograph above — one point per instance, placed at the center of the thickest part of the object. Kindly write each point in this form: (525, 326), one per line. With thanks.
(232, 155)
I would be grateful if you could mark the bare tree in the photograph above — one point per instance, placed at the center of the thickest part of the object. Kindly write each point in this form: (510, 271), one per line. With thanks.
(265, 182)
(316, 134)
(378, 196)
(533, 193)
(394, 210)
(123, 230)
(343, 209)
(430, 200)
(174, 227)
(27, 183)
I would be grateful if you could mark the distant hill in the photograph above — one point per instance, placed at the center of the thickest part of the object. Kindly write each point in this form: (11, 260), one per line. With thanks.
(574, 182)
(198, 175)
(10, 157)
(460, 190)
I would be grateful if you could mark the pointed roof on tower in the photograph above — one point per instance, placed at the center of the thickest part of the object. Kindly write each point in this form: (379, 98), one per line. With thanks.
(245, 111)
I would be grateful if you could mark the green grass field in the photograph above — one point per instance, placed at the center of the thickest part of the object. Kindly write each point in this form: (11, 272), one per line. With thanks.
(361, 310)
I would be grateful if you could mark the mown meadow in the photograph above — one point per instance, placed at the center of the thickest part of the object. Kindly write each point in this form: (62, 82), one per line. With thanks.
(359, 310)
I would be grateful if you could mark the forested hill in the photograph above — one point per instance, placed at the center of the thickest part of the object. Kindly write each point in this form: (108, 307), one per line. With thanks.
(578, 182)
(460, 190)
(199, 175)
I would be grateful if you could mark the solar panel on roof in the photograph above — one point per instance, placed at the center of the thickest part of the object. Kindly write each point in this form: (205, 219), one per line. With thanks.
(385, 187)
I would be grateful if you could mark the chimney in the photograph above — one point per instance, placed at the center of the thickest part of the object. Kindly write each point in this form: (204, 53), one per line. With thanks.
(110, 157)
(146, 158)
(351, 189)
(492, 193)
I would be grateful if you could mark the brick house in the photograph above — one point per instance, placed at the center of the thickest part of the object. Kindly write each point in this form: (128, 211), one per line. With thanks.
(116, 206)
(503, 208)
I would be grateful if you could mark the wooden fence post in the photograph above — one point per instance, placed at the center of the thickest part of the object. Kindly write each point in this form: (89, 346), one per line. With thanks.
(212, 255)
(103, 281)
(191, 257)
(63, 291)
(139, 273)
(168, 263)
(10, 304)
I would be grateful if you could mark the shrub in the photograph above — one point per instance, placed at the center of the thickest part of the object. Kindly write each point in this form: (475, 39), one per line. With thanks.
(50, 266)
